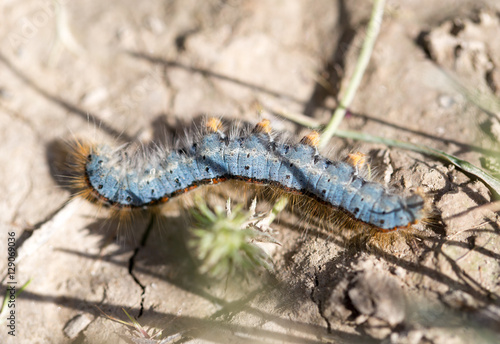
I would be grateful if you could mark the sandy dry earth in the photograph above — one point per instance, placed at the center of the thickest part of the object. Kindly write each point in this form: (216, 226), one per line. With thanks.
(140, 71)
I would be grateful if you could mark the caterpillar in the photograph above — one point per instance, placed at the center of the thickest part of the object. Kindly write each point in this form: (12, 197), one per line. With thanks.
(111, 177)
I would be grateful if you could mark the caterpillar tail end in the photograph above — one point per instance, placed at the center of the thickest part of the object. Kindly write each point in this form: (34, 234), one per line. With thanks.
(76, 162)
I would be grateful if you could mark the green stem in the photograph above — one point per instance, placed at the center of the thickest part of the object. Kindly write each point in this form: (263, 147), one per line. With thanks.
(466, 166)
(362, 63)
(4, 308)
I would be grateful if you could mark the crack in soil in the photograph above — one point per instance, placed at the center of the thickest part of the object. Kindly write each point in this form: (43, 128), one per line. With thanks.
(319, 303)
(29, 231)
(131, 263)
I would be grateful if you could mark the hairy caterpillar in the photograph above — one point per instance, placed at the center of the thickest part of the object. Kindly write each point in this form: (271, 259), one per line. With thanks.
(111, 177)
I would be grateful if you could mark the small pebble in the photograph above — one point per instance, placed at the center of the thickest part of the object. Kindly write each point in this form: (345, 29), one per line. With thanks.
(76, 325)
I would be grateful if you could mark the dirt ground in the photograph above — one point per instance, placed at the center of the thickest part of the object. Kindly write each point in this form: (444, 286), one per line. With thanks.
(142, 71)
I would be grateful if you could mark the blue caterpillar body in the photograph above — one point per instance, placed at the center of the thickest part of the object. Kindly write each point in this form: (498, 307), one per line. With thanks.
(253, 157)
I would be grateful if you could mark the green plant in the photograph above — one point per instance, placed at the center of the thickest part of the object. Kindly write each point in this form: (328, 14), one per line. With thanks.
(227, 241)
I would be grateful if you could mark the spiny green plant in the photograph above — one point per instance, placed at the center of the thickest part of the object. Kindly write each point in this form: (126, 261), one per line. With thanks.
(227, 241)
